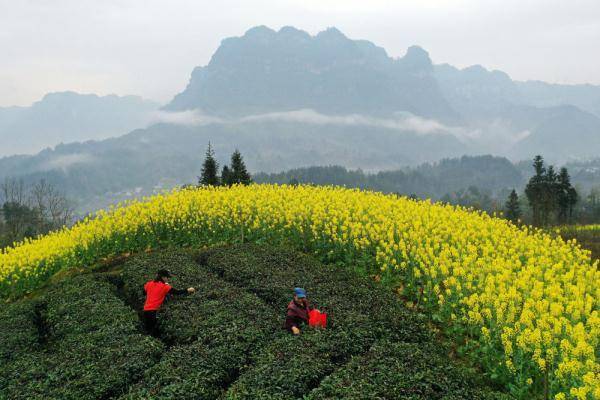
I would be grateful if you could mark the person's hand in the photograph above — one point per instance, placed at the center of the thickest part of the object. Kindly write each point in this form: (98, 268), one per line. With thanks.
(295, 330)
(191, 290)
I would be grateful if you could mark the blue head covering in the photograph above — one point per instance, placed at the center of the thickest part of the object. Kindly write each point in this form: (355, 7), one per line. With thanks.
(300, 293)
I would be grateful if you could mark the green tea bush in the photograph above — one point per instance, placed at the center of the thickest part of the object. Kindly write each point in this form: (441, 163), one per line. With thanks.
(88, 304)
(198, 370)
(18, 329)
(392, 370)
(93, 347)
(91, 366)
(214, 331)
(292, 366)
(272, 272)
(361, 313)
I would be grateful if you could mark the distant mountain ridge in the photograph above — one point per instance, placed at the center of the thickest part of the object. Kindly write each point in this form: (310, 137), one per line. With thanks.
(267, 70)
(65, 117)
(521, 119)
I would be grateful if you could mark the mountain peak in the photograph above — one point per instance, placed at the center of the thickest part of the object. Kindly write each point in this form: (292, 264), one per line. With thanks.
(259, 31)
(290, 31)
(67, 94)
(331, 34)
(417, 55)
(267, 70)
(416, 60)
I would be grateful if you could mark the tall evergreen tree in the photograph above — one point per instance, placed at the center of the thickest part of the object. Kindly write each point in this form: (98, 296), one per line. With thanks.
(210, 169)
(573, 199)
(550, 193)
(512, 208)
(225, 176)
(567, 196)
(564, 184)
(535, 189)
(239, 173)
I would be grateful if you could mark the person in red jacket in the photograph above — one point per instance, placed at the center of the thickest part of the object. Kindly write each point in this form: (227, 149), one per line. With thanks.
(156, 290)
(297, 312)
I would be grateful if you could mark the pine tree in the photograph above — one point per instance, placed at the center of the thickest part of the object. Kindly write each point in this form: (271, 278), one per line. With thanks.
(239, 174)
(225, 176)
(550, 193)
(535, 189)
(209, 169)
(567, 196)
(513, 210)
(564, 184)
(573, 199)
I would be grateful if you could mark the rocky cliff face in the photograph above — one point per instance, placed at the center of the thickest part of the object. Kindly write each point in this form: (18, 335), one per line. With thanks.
(267, 71)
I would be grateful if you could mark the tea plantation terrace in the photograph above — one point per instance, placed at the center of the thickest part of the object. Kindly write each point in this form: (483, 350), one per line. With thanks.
(81, 337)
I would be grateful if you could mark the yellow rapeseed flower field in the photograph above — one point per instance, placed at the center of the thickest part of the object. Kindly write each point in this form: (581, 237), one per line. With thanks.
(524, 304)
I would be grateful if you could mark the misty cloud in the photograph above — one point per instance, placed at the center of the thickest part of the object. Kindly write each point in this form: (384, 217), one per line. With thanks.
(186, 118)
(64, 162)
(402, 121)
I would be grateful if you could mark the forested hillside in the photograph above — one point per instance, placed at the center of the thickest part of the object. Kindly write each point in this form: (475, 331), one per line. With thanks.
(493, 175)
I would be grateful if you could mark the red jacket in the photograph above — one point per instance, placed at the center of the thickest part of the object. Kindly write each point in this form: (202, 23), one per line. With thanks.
(156, 291)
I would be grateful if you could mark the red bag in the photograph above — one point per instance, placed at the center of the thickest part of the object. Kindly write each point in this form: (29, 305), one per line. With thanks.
(317, 319)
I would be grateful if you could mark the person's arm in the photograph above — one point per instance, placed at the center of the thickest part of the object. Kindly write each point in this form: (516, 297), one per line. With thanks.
(291, 324)
(182, 291)
(307, 305)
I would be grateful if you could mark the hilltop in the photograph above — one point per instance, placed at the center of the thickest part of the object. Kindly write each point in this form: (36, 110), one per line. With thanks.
(477, 278)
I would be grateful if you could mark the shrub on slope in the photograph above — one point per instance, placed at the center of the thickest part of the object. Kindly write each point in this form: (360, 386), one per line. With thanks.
(213, 332)
(93, 349)
(18, 330)
(396, 370)
(363, 313)
(349, 296)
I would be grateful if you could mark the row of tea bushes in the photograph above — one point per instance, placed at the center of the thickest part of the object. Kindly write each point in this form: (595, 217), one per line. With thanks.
(18, 330)
(291, 367)
(89, 345)
(272, 272)
(396, 370)
(212, 332)
(362, 314)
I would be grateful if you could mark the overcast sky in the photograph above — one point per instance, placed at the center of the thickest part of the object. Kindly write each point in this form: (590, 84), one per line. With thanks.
(149, 47)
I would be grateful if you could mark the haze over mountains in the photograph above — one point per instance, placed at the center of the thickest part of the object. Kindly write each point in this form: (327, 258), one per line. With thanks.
(68, 117)
(287, 99)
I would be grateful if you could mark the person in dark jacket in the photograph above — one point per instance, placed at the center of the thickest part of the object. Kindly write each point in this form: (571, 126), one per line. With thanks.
(297, 311)
(156, 290)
